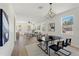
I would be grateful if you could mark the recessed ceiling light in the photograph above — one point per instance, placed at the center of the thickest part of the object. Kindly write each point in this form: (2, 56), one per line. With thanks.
(40, 7)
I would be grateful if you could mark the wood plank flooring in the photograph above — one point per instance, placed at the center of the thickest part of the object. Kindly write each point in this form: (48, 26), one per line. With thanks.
(19, 47)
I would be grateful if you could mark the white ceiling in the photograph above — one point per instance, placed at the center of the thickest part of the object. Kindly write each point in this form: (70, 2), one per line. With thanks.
(41, 9)
(35, 11)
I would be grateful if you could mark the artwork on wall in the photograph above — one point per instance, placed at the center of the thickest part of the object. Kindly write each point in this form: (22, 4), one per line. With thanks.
(67, 23)
(51, 26)
(4, 27)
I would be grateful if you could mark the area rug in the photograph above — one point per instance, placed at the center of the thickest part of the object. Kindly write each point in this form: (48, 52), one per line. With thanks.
(34, 50)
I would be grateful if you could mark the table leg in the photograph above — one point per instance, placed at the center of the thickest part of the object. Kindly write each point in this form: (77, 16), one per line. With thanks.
(46, 46)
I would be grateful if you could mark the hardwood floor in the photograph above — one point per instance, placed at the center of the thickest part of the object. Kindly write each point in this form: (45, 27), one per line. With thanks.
(19, 47)
(20, 50)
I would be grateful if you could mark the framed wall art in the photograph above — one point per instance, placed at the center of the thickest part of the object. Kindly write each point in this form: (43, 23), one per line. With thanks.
(51, 26)
(4, 27)
(67, 24)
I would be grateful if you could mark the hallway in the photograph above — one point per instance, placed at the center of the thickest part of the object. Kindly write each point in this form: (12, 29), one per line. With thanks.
(19, 47)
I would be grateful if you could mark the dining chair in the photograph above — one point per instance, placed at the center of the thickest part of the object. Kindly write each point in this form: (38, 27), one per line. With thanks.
(66, 44)
(56, 47)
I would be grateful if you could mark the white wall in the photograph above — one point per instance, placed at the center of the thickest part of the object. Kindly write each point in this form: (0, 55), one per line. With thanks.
(75, 36)
(8, 47)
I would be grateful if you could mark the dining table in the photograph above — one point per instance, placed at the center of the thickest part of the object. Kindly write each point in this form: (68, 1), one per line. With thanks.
(49, 38)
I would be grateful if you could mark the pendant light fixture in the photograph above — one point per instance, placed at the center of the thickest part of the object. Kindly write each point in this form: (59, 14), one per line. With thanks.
(51, 12)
